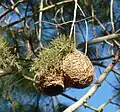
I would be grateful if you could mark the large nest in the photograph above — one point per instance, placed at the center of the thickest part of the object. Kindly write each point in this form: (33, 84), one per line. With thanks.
(79, 71)
(60, 66)
(47, 66)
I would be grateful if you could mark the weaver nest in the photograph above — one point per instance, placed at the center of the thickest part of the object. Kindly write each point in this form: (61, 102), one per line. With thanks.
(51, 83)
(78, 70)
(61, 66)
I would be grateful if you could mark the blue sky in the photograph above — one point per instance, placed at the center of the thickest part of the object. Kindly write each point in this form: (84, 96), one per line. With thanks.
(102, 95)
(105, 91)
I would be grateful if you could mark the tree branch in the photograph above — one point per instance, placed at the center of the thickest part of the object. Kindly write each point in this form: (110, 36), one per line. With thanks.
(101, 108)
(44, 9)
(114, 103)
(102, 58)
(100, 39)
(74, 19)
(11, 8)
(73, 99)
(95, 86)
(6, 71)
(40, 24)
(104, 66)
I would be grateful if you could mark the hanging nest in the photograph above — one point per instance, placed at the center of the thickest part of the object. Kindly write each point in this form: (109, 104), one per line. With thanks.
(48, 69)
(78, 69)
(52, 84)
(60, 66)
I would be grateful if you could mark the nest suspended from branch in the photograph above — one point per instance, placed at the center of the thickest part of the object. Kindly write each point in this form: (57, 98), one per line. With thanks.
(52, 84)
(47, 66)
(61, 66)
(78, 69)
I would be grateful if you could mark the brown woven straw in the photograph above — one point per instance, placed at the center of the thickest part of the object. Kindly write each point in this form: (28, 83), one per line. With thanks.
(78, 69)
(61, 66)
(52, 84)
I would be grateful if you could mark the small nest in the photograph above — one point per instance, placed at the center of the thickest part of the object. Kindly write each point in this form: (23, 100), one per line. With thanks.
(78, 69)
(52, 84)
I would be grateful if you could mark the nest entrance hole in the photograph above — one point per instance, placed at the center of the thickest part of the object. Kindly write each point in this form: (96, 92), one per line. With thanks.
(53, 89)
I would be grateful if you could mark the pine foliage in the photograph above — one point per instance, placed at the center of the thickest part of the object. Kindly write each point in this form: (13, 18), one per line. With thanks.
(51, 58)
(7, 59)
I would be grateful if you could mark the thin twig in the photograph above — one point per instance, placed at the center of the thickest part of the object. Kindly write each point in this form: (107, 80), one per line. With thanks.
(117, 78)
(53, 106)
(78, 21)
(44, 9)
(40, 23)
(101, 65)
(113, 86)
(11, 8)
(111, 15)
(16, 9)
(61, 24)
(101, 108)
(118, 104)
(86, 37)
(102, 26)
(102, 58)
(30, 79)
(74, 19)
(74, 99)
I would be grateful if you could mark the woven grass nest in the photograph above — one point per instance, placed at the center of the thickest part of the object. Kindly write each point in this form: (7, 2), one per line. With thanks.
(78, 70)
(51, 84)
(61, 66)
